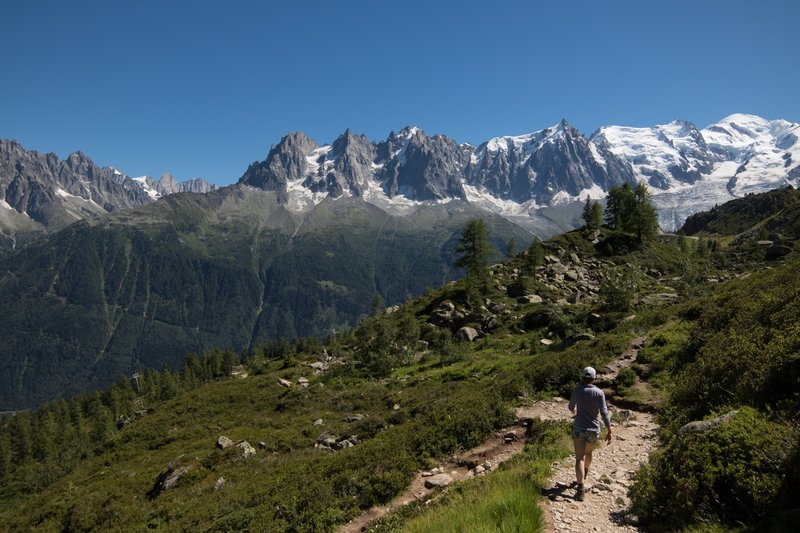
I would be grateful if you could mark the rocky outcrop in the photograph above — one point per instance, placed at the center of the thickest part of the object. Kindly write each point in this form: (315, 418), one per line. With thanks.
(701, 426)
(332, 442)
(171, 475)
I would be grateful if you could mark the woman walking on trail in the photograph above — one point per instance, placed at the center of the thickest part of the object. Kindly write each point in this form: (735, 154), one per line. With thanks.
(590, 403)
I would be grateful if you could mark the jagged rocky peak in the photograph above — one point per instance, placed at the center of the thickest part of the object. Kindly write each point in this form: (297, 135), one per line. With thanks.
(167, 181)
(347, 166)
(396, 142)
(423, 168)
(564, 166)
(167, 184)
(287, 161)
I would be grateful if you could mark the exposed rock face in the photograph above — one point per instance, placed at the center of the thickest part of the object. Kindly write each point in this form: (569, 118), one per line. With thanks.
(421, 167)
(347, 167)
(167, 185)
(288, 161)
(43, 192)
(55, 193)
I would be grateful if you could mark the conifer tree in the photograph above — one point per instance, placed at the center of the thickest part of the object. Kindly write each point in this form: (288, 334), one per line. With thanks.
(377, 304)
(596, 215)
(632, 210)
(592, 214)
(644, 219)
(511, 248)
(22, 443)
(229, 361)
(475, 249)
(5, 459)
(534, 257)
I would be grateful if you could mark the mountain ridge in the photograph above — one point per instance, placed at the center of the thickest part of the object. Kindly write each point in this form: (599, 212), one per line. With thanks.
(43, 193)
(688, 169)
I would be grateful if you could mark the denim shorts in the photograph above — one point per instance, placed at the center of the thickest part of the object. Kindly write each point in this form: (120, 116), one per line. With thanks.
(589, 435)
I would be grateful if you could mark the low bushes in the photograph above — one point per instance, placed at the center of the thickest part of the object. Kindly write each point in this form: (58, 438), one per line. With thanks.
(732, 472)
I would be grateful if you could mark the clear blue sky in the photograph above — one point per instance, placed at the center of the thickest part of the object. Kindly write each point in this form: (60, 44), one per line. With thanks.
(202, 89)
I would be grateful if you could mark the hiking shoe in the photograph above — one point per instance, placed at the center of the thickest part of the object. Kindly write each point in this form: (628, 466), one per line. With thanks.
(579, 493)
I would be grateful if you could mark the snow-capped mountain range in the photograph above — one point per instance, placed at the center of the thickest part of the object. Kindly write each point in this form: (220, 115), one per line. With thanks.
(687, 169)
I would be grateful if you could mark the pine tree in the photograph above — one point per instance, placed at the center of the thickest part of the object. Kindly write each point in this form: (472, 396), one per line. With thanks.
(511, 248)
(534, 257)
(475, 251)
(587, 213)
(5, 459)
(21, 437)
(631, 210)
(168, 382)
(596, 215)
(377, 305)
(229, 361)
(644, 217)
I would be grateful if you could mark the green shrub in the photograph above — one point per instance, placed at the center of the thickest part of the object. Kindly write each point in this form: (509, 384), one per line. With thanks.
(616, 293)
(626, 377)
(730, 473)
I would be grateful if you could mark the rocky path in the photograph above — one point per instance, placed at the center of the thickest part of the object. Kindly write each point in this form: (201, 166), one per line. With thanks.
(502, 446)
(605, 507)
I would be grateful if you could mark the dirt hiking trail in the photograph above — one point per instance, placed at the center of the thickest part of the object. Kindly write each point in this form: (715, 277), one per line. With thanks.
(606, 505)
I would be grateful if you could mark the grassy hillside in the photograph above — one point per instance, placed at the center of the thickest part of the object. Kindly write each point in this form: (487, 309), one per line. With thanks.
(403, 391)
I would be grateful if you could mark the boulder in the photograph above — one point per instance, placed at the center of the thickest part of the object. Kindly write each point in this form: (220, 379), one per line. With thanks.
(171, 475)
(704, 425)
(467, 334)
(438, 481)
(245, 449)
(530, 299)
(355, 418)
(284, 383)
(223, 443)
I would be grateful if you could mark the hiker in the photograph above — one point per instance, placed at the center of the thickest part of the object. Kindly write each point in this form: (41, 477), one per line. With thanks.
(587, 404)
